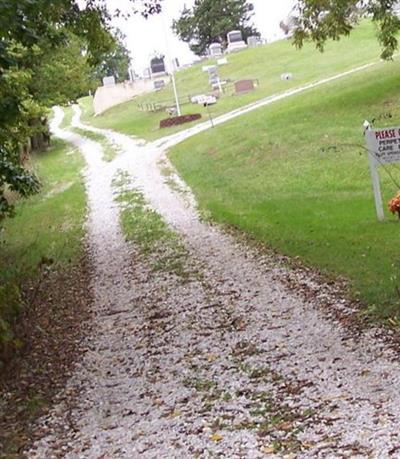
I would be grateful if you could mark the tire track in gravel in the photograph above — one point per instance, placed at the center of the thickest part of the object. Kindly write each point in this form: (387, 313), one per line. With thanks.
(228, 363)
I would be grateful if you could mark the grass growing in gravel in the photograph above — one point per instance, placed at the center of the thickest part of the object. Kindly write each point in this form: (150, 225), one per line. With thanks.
(47, 229)
(266, 64)
(145, 227)
(292, 175)
(110, 151)
(68, 115)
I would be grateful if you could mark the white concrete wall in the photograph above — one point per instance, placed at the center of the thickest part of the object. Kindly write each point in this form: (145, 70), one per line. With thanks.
(109, 96)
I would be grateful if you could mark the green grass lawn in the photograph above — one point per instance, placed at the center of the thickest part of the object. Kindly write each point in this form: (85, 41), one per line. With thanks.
(48, 226)
(287, 175)
(266, 64)
(68, 115)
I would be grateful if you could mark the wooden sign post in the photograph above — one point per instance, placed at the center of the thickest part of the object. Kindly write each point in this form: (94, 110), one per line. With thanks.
(383, 148)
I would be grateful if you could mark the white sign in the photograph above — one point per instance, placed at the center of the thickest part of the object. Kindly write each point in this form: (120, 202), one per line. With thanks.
(383, 148)
(384, 144)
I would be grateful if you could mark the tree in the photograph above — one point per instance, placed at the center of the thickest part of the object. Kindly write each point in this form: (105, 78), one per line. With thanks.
(210, 20)
(320, 20)
(61, 74)
(116, 62)
(41, 44)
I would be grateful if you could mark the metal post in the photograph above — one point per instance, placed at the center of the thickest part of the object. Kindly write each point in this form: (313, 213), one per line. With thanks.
(209, 114)
(373, 164)
(178, 107)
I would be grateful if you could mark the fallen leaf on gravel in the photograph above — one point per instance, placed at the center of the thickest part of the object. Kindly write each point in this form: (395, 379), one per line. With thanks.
(176, 414)
(268, 449)
(307, 445)
(216, 437)
(212, 357)
(285, 426)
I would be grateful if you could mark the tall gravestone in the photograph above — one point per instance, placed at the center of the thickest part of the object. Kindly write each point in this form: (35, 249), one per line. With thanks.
(235, 41)
(157, 66)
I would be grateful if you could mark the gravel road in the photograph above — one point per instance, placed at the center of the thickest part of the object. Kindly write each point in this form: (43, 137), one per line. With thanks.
(225, 361)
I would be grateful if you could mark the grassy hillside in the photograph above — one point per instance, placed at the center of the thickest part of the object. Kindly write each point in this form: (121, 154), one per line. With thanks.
(293, 176)
(266, 64)
(47, 227)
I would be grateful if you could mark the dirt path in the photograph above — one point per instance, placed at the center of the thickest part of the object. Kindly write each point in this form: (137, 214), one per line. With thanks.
(223, 360)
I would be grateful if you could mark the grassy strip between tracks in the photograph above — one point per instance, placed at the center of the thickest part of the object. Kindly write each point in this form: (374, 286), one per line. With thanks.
(110, 151)
(45, 234)
(292, 175)
(68, 115)
(146, 228)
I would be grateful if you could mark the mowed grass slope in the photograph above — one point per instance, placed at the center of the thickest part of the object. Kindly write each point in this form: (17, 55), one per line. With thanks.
(266, 64)
(292, 175)
(47, 229)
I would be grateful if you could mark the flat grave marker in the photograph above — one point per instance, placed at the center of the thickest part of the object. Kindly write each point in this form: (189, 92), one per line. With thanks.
(243, 86)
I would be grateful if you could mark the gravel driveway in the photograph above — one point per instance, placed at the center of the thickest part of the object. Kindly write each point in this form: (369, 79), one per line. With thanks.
(228, 360)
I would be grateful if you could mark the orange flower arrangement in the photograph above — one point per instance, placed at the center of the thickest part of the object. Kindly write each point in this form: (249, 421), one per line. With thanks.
(394, 204)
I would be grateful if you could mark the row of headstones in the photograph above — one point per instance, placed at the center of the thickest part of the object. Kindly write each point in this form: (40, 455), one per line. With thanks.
(235, 42)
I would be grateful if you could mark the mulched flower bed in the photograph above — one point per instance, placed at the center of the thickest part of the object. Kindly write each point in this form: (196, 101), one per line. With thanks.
(177, 120)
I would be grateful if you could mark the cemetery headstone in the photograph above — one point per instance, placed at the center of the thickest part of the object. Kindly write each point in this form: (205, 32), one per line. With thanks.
(235, 41)
(109, 81)
(157, 65)
(159, 84)
(243, 86)
(253, 42)
(222, 61)
(286, 76)
(215, 50)
(147, 73)
(206, 68)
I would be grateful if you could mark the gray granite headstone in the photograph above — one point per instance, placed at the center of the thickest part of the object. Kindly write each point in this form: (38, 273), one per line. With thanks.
(243, 86)
(157, 65)
(215, 50)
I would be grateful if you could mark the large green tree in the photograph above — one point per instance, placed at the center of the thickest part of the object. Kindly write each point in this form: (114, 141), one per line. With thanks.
(43, 45)
(116, 62)
(320, 20)
(61, 73)
(209, 21)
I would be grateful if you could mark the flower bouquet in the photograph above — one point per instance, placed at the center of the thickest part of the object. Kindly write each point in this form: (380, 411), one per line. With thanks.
(394, 204)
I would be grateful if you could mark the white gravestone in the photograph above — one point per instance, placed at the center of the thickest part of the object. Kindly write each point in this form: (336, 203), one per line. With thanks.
(215, 50)
(235, 41)
(213, 78)
(383, 148)
(222, 61)
(109, 81)
(253, 42)
(206, 68)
